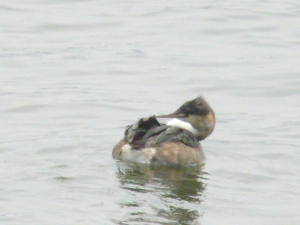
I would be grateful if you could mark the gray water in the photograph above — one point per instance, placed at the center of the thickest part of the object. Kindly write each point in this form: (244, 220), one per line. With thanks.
(75, 73)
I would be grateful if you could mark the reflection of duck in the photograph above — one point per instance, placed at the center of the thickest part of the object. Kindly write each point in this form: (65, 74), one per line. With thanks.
(170, 195)
(176, 143)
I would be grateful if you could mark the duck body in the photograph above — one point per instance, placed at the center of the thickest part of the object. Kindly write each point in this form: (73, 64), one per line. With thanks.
(174, 143)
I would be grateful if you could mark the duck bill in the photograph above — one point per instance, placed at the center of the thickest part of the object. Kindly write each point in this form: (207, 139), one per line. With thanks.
(172, 115)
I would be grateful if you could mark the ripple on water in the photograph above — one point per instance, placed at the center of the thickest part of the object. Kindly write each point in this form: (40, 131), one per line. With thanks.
(159, 193)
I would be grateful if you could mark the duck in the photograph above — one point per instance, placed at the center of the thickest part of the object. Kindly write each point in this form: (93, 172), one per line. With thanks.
(175, 143)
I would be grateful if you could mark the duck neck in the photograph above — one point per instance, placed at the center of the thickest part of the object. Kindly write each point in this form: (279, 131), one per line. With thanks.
(204, 125)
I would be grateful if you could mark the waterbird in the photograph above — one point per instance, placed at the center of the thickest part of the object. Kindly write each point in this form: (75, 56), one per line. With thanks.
(174, 143)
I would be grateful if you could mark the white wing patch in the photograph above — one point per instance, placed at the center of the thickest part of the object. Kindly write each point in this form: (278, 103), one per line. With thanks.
(183, 125)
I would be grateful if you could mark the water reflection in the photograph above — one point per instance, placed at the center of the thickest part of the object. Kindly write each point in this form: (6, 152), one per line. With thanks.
(162, 195)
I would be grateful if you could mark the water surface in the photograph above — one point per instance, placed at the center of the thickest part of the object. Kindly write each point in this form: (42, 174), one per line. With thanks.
(75, 73)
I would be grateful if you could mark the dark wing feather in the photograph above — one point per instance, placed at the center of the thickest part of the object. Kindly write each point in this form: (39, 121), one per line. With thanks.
(149, 132)
(176, 134)
(138, 130)
(135, 133)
